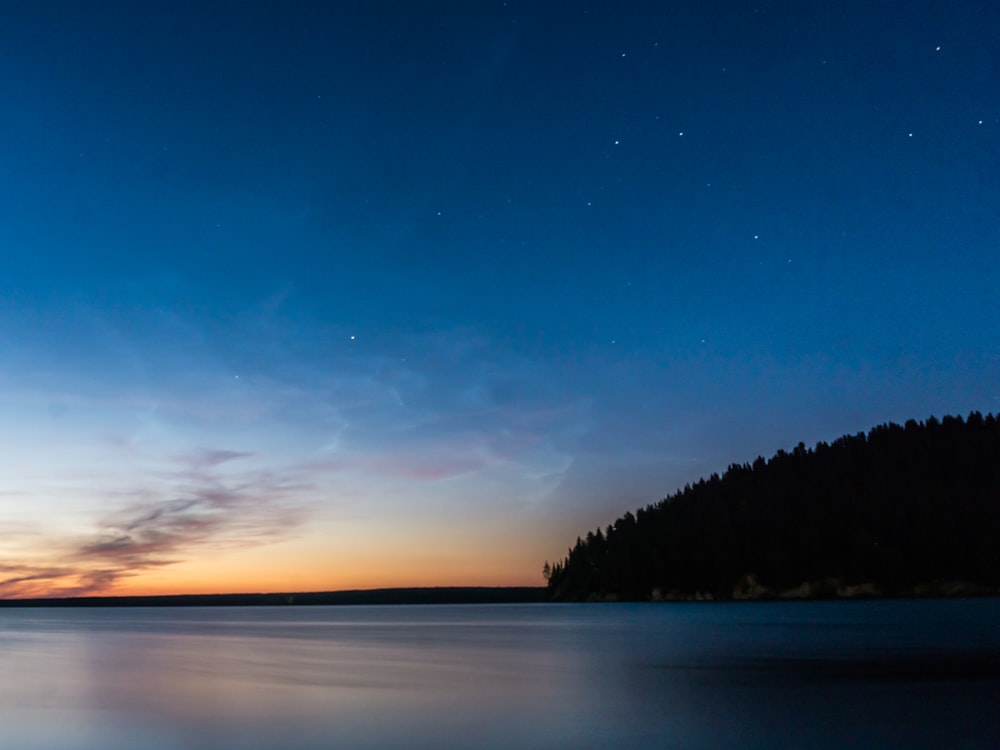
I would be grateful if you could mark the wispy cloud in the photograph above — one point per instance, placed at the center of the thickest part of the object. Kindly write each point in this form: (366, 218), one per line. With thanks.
(371, 427)
(20, 580)
(206, 458)
(198, 507)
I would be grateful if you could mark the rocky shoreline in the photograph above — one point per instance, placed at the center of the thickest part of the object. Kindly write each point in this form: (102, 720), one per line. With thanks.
(749, 589)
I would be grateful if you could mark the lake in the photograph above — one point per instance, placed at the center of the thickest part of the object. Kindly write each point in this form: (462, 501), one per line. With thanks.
(864, 674)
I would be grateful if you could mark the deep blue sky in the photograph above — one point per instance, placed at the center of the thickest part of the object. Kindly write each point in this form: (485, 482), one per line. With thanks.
(465, 279)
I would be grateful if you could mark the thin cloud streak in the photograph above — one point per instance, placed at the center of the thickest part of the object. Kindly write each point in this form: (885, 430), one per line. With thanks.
(200, 510)
(25, 580)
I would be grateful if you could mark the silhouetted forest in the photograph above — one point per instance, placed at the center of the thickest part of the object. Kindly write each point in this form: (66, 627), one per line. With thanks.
(903, 510)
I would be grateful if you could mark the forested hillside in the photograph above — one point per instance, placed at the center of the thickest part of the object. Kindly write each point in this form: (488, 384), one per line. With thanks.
(903, 510)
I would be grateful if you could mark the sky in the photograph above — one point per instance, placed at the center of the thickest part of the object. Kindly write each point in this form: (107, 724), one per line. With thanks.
(327, 295)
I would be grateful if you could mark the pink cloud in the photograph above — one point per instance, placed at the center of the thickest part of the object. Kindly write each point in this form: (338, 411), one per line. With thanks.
(205, 510)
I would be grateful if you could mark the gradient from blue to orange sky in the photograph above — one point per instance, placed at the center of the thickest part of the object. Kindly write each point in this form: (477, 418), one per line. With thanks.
(308, 295)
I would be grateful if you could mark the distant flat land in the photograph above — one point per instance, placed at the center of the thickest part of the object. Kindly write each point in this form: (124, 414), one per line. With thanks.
(436, 595)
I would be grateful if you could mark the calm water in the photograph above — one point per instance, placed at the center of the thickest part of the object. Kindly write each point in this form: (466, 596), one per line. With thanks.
(803, 675)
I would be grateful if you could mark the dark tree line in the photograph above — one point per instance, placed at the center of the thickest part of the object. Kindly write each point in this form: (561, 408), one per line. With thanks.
(898, 508)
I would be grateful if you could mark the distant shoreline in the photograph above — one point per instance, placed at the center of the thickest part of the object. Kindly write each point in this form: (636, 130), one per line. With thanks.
(445, 595)
(432, 595)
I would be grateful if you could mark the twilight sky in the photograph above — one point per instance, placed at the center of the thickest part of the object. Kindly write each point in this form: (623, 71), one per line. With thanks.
(308, 296)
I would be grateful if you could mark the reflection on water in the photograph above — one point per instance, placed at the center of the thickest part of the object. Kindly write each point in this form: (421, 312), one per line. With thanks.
(804, 675)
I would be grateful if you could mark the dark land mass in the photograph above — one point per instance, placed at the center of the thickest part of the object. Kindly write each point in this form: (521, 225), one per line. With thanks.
(440, 595)
(910, 510)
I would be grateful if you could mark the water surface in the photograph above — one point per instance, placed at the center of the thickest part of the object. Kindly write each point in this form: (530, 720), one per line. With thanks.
(920, 674)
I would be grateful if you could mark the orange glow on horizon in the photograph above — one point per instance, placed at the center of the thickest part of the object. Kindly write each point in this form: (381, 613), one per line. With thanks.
(181, 587)
(232, 575)
(332, 556)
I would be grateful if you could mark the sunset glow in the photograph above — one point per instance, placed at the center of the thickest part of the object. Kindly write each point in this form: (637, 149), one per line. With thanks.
(336, 295)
